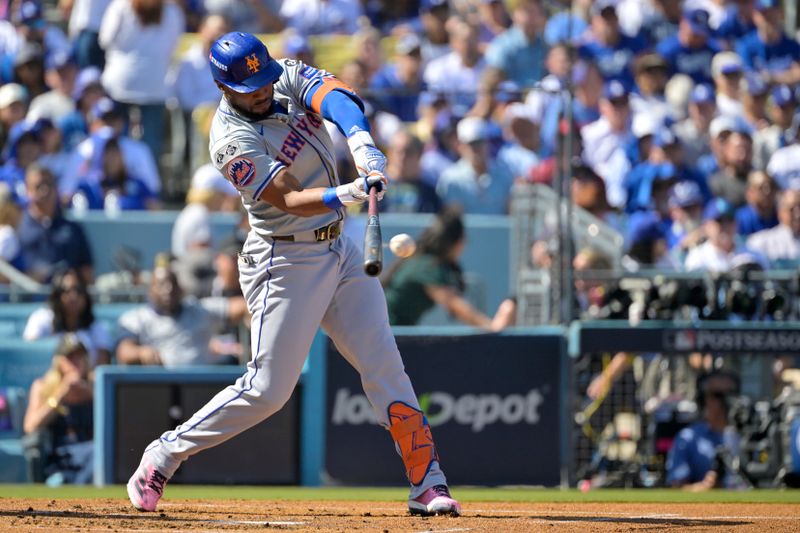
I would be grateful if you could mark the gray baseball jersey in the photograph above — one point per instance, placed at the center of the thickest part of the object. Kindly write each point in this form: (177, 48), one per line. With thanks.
(250, 154)
(293, 287)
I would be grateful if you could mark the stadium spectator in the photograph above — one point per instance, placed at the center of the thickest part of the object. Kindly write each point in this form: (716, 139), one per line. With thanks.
(651, 74)
(754, 101)
(69, 310)
(55, 104)
(108, 184)
(396, 87)
(433, 276)
(590, 294)
(411, 191)
(784, 166)
(693, 131)
(691, 50)
(10, 214)
(171, 330)
(781, 244)
(433, 15)
(58, 425)
(139, 38)
(492, 20)
(760, 211)
(782, 130)
(720, 252)
(296, 46)
(565, 25)
(735, 163)
(660, 23)
(441, 150)
(605, 141)
(727, 70)
(29, 69)
(85, 17)
(209, 192)
(646, 243)
(225, 341)
(31, 27)
(251, 16)
(13, 106)
(694, 461)
(321, 17)
(106, 121)
(589, 193)
(457, 74)
(684, 229)
(606, 46)
(87, 92)
(367, 43)
(476, 183)
(521, 140)
(23, 150)
(736, 23)
(50, 241)
(768, 50)
(189, 80)
(518, 54)
(53, 156)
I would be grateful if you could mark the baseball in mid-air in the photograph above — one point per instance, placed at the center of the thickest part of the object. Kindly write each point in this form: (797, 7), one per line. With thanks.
(402, 245)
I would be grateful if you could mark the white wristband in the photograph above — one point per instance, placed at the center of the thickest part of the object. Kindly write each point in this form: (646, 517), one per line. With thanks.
(345, 194)
(359, 139)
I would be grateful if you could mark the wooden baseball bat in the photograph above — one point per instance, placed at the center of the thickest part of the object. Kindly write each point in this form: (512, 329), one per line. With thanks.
(373, 242)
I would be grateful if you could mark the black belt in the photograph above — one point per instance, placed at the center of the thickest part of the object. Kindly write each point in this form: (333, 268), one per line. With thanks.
(326, 233)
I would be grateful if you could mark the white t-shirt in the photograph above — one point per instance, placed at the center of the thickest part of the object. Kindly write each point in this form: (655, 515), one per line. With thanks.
(192, 227)
(313, 17)
(86, 15)
(95, 337)
(138, 57)
(191, 82)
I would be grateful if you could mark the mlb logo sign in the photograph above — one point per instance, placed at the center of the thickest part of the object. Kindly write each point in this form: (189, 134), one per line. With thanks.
(241, 171)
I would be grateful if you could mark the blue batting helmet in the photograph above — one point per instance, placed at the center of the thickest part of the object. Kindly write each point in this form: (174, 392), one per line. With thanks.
(241, 62)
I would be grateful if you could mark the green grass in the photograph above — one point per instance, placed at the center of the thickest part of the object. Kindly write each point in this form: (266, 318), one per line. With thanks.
(465, 494)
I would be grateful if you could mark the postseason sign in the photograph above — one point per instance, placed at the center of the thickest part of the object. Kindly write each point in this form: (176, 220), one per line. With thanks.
(493, 403)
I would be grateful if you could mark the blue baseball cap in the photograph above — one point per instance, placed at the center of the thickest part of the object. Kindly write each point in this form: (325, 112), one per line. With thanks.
(599, 6)
(508, 91)
(761, 5)
(644, 227)
(685, 194)
(665, 137)
(241, 62)
(430, 5)
(702, 93)
(58, 59)
(29, 13)
(614, 90)
(698, 21)
(718, 209)
(783, 95)
(296, 44)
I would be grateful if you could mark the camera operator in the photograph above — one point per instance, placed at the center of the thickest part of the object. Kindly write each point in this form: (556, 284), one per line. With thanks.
(696, 459)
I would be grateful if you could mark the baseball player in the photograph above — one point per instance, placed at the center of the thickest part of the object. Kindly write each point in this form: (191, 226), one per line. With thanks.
(297, 270)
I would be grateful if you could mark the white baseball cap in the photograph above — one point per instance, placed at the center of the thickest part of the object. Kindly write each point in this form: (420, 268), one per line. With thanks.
(208, 178)
(726, 63)
(12, 92)
(471, 129)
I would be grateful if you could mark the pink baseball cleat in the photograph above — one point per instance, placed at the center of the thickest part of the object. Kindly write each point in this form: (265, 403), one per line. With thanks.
(435, 500)
(146, 486)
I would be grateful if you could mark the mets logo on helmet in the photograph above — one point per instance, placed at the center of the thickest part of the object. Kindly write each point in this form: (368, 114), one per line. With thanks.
(241, 171)
(253, 64)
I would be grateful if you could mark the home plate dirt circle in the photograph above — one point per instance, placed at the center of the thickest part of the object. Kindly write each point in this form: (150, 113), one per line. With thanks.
(247, 515)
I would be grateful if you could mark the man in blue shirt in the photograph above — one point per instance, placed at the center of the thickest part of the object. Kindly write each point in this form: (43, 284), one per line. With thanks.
(396, 87)
(606, 46)
(49, 241)
(692, 462)
(518, 53)
(690, 50)
(768, 50)
(761, 210)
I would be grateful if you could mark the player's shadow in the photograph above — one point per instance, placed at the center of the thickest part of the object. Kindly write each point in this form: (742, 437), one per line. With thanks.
(633, 520)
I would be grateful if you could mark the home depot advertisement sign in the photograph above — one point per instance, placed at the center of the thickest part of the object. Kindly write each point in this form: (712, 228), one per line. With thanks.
(492, 402)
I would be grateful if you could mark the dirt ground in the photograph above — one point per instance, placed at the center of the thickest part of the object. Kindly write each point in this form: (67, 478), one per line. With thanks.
(246, 515)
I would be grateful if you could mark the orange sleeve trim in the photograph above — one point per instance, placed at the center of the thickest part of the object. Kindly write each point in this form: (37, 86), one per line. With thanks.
(328, 85)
